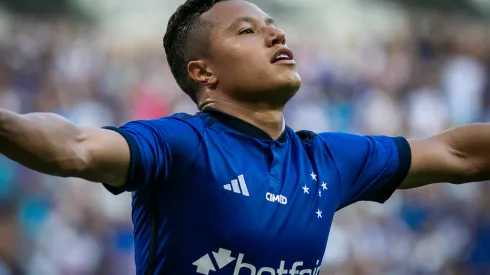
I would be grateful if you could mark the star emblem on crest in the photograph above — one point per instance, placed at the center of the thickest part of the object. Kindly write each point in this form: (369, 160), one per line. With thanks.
(324, 186)
(319, 214)
(313, 176)
(305, 189)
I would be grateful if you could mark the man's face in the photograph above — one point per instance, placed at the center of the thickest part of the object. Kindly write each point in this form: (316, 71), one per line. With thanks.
(248, 53)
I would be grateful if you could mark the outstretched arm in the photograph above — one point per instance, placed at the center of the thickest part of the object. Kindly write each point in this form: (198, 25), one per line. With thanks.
(50, 144)
(458, 155)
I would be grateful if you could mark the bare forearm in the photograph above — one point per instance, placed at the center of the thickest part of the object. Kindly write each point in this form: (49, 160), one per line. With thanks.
(458, 155)
(44, 142)
(470, 145)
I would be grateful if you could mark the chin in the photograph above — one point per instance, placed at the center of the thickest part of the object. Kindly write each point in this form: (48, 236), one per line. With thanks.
(291, 82)
(287, 88)
(274, 88)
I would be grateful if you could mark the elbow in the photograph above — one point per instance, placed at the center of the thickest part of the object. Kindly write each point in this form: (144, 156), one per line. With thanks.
(479, 170)
(76, 165)
(472, 171)
(462, 167)
(72, 168)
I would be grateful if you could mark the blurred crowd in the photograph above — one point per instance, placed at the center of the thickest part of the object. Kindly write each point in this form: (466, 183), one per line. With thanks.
(434, 75)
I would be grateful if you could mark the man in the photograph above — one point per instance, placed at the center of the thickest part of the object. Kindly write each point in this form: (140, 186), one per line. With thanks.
(232, 190)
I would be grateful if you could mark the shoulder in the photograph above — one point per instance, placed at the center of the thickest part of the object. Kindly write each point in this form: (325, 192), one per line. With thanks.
(339, 144)
(324, 138)
(172, 125)
(306, 136)
(198, 121)
(180, 132)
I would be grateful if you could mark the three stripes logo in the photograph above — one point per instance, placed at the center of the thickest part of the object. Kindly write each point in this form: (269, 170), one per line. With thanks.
(238, 186)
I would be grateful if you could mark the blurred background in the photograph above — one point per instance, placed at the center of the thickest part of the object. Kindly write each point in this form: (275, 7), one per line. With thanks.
(406, 67)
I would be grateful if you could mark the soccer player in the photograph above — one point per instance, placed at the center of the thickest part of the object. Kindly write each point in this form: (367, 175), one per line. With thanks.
(231, 189)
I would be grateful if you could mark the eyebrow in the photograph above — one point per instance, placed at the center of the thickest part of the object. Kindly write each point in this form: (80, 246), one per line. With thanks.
(268, 21)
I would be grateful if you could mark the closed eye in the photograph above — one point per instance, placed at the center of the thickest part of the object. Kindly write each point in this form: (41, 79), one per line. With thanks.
(247, 31)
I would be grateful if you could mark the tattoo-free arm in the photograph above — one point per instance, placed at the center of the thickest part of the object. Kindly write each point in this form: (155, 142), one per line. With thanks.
(50, 144)
(458, 155)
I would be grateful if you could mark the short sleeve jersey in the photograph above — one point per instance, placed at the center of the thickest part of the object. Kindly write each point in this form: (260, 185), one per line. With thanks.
(212, 194)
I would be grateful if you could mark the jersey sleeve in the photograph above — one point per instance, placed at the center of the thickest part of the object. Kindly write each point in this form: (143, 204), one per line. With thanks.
(156, 147)
(371, 168)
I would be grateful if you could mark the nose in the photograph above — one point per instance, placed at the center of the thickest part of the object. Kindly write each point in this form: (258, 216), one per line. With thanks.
(275, 36)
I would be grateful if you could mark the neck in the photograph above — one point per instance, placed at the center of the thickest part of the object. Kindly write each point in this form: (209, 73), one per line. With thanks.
(268, 120)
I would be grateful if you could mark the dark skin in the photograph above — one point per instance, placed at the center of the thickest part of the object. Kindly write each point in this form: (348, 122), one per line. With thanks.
(238, 77)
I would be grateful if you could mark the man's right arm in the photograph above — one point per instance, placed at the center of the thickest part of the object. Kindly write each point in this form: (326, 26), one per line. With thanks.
(50, 144)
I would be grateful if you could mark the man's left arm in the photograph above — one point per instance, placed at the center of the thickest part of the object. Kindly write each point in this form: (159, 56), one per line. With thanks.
(458, 155)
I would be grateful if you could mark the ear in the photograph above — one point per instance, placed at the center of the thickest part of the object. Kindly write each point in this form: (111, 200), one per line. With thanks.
(201, 73)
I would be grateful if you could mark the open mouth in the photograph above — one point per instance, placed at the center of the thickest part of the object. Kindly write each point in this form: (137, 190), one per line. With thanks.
(283, 55)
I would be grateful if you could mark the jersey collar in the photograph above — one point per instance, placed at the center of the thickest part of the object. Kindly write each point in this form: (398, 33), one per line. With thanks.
(242, 126)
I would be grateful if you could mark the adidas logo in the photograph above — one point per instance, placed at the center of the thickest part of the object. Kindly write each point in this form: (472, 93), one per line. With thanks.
(223, 258)
(236, 185)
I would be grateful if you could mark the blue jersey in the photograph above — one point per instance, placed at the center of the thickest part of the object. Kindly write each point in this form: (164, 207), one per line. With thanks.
(215, 195)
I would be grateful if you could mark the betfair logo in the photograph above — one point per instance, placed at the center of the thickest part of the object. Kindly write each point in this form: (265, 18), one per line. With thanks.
(223, 258)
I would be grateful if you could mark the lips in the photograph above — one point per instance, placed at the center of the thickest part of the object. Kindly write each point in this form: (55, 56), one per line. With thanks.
(282, 54)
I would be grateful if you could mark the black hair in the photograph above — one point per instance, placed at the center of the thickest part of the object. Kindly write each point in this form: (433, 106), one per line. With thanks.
(185, 39)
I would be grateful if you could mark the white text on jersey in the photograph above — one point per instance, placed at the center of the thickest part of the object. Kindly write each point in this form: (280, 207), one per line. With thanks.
(276, 198)
(223, 257)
